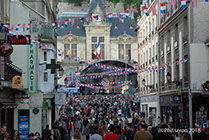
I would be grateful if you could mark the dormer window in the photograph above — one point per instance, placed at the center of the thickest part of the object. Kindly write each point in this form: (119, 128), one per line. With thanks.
(116, 26)
(131, 26)
(78, 27)
(62, 26)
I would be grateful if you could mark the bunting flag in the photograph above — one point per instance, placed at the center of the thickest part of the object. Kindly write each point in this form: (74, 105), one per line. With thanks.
(40, 24)
(206, 0)
(73, 22)
(23, 27)
(136, 11)
(194, 3)
(68, 53)
(46, 24)
(59, 53)
(27, 38)
(96, 17)
(163, 7)
(153, 9)
(110, 16)
(12, 27)
(58, 24)
(145, 10)
(33, 41)
(16, 34)
(87, 20)
(66, 21)
(10, 32)
(34, 26)
(102, 18)
(127, 13)
(53, 24)
(75, 58)
(173, 4)
(28, 27)
(81, 19)
(18, 26)
(183, 3)
(119, 16)
(82, 60)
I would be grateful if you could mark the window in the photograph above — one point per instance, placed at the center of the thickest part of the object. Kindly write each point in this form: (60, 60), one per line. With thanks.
(45, 56)
(150, 53)
(131, 26)
(153, 22)
(146, 56)
(45, 77)
(94, 51)
(78, 27)
(94, 39)
(116, 26)
(146, 31)
(153, 49)
(102, 51)
(121, 51)
(150, 28)
(101, 39)
(128, 50)
(66, 50)
(74, 50)
(143, 34)
(185, 26)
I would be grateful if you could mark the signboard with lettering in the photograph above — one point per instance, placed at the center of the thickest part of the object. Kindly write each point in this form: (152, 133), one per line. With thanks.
(17, 82)
(32, 69)
(21, 40)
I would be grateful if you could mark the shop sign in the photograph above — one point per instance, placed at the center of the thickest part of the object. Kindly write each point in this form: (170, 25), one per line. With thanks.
(20, 40)
(17, 82)
(32, 69)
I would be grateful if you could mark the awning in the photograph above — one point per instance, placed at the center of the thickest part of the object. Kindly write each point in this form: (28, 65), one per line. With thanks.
(8, 105)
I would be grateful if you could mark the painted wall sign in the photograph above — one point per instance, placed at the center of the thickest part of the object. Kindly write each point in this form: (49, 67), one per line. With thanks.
(21, 40)
(17, 82)
(32, 69)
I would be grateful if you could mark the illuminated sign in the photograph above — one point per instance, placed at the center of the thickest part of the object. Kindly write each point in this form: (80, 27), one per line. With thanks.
(21, 40)
(32, 69)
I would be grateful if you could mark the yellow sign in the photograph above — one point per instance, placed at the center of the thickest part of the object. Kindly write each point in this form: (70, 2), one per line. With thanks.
(17, 82)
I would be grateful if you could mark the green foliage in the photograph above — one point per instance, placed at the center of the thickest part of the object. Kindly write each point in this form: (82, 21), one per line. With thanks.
(76, 2)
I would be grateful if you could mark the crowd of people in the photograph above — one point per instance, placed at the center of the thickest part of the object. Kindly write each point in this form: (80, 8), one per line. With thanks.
(105, 117)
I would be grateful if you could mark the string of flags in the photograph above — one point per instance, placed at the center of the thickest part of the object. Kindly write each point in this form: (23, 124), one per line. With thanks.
(121, 83)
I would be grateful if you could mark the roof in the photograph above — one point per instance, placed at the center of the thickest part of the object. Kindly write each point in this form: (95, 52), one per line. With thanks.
(77, 29)
(123, 27)
(93, 6)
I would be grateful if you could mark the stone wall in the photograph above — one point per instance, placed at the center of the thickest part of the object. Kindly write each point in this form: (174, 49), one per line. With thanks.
(109, 7)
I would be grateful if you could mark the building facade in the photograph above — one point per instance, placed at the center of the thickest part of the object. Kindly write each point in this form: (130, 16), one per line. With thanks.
(117, 39)
(33, 106)
(148, 59)
(182, 40)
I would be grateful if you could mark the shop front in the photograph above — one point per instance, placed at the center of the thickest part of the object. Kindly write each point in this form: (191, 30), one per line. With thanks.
(174, 107)
(149, 108)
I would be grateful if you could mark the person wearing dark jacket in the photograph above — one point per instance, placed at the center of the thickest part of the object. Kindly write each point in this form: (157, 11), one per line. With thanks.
(46, 132)
(129, 133)
(163, 135)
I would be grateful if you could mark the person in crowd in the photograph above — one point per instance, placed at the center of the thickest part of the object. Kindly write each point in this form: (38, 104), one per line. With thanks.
(37, 136)
(154, 132)
(164, 134)
(15, 135)
(4, 134)
(77, 135)
(142, 134)
(31, 136)
(95, 135)
(186, 136)
(64, 135)
(120, 133)
(129, 133)
(111, 135)
(57, 132)
(52, 135)
(46, 132)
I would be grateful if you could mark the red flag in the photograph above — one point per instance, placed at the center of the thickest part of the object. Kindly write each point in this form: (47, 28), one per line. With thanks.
(72, 22)
(194, 2)
(102, 17)
(154, 9)
(173, 3)
(118, 14)
(87, 19)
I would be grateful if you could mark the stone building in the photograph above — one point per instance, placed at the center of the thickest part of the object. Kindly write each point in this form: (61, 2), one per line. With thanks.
(183, 37)
(148, 58)
(117, 39)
